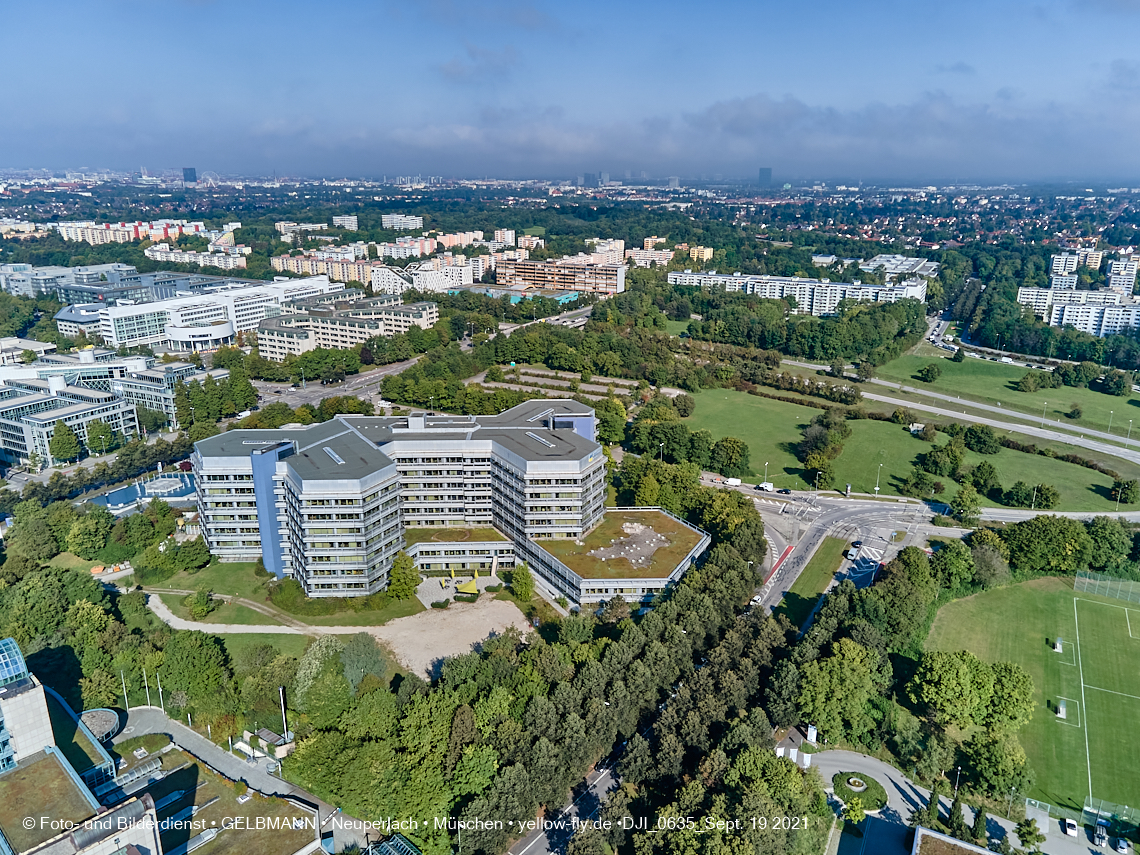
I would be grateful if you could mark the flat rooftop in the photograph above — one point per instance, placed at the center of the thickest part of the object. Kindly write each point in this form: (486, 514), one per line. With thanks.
(38, 786)
(451, 534)
(627, 545)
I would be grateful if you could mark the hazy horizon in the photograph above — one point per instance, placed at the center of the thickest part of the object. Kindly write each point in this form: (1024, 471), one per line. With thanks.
(878, 93)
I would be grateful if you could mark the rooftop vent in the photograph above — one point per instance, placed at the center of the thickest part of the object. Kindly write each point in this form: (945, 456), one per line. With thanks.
(538, 438)
(336, 457)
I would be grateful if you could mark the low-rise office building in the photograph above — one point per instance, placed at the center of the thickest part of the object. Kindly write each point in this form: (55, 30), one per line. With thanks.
(894, 266)
(80, 318)
(816, 297)
(331, 504)
(305, 325)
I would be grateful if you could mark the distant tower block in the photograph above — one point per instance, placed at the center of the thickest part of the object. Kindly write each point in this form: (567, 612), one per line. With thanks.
(764, 179)
(189, 176)
(1058, 645)
(1061, 711)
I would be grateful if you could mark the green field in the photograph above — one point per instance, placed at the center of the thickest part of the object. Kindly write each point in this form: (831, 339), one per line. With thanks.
(234, 613)
(288, 645)
(995, 383)
(1095, 673)
(772, 428)
(677, 327)
(235, 579)
(809, 586)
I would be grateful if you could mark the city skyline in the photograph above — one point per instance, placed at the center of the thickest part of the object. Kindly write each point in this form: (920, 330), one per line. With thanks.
(973, 92)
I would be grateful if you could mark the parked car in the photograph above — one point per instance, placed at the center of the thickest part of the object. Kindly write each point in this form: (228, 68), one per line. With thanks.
(1069, 827)
(1100, 838)
(1121, 845)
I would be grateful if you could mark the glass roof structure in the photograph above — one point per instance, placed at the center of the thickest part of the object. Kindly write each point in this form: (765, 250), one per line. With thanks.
(12, 666)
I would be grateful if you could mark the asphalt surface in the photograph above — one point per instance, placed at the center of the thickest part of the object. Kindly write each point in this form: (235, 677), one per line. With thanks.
(559, 828)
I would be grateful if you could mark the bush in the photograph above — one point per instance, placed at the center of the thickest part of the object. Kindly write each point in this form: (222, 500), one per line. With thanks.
(493, 589)
(944, 521)
(872, 798)
(466, 598)
(260, 571)
(289, 596)
(441, 604)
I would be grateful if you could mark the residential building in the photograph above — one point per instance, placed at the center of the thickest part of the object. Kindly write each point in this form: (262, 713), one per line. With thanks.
(100, 233)
(505, 236)
(290, 231)
(901, 265)
(1063, 281)
(459, 239)
(80, 318)
(1063, 263)
(331, 504)
(1121, 276)
(651, 242)
(817, 297)
(1098, 320)
(407, 247)
(401, 222)
(530, 242)
(428, 278)
(27, 281)
(232, 259)
(337, 269)
(306, 325)
(601, 252)
(564, 275)
(348, 222)
(206, 320)
(705, 253)
(649, 257)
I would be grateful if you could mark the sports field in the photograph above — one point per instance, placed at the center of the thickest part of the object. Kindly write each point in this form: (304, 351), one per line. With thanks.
(1093, 750)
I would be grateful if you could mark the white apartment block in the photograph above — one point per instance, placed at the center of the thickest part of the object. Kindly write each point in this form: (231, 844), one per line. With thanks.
(1121, 276)
(348, 222)
(1043, 299)
(232, 259)
(816, 297)
(505, 236)
(1063, 263)
(205, 321)
(530, 242)
(1097, 320)
(100, 233)
(459, 239)
(408, 247)
(651, 242)
(390, 280)
(1063, 281)
(401, 222)
(649, 257)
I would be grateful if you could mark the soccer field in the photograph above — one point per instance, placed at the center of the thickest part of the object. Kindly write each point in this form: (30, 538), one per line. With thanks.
(1097, 674)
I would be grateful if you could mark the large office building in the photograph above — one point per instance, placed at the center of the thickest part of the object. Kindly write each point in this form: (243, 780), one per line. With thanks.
(207, 320)
(817, 297)
(107, 283)
(305, 325)
(564, 275)
(78, 319)
(331, 504)
(894, 266)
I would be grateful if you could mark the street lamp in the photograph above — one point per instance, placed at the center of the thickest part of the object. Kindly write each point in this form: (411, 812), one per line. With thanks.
(956, 777)
(661, 449)
(877, 474)
(1110, 421)
(1043, 413)
(302, 378)
(1127, 438)
(765, 472)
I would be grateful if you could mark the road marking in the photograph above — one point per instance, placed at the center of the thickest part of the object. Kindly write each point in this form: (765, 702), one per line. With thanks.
(1081, 672)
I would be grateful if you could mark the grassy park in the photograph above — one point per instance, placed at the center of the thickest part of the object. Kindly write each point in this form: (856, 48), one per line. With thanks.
(809, 586)
(1095, 673)
(772, 428)
(995, 383)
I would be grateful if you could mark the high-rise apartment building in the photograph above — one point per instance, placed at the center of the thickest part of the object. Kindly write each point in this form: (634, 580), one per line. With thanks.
(348, 222)
(564, 275)
(401, 222)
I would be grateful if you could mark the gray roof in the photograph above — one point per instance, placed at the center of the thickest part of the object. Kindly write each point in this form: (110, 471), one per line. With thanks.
(525, 430)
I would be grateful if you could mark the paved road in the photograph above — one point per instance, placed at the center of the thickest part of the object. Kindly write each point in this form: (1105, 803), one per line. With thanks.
(144, 720)
(365, 385)
(903, 796)
(542, 841)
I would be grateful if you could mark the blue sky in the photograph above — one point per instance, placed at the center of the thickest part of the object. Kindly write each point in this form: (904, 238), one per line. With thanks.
(876, 90)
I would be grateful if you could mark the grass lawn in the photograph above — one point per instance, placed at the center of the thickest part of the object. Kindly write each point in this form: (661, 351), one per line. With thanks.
(34, 789)
(443, 534)
(70, 561)
(224, 613)
(677, 327)
(287, 645)
(810, 584)
(1095, 673)
(771, 429)
(234, 578)
(995, 383)
(394, 609)
(664, 561)
(874, 442)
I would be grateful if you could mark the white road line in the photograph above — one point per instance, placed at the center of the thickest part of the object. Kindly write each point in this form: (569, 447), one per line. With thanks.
(1081, 672)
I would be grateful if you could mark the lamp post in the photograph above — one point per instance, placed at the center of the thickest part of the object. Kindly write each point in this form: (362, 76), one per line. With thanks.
(1127, 438)
(302, 378)
(1043, 413)
(877, 474)
(956, 778)
(765, 472)
(661, 449)
(1110, 421)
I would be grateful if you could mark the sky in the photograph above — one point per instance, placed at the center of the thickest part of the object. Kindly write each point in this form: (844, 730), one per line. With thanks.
(873, 91)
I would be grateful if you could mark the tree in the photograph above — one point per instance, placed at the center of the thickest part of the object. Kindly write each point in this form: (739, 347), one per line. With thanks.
(200, 604)
(183, 408)
(361, 657)
(991, 570)
(982, 439)
(985, 479)
(978, 829)
(853, 811)
(835, 690)
(648, 492)
(522, 583)
(1126, 492)
(64, 444)
(730, 457)
(194, 663)
(955, 686)
(611, 417)
(1112, 543)
(1075, 412)
(27, 356)
(952, 565)
(1029, 835)
(998, 762)
(403, 578)
(1020, 495)
(956, 822)
(959, 355)
(1012, 703)
(967, 504)
(100, 437)
(150, 420)
(929, 373)
(685, 405)
(1048, 544)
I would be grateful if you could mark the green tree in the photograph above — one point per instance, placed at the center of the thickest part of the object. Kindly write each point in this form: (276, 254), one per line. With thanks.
(982, 439)
(853, 811)
(361, 657)
(1012, 703)
(150, 421)
(1020, 495)
(200, 604)
(835, 690)
(183, 412)
(955, 686)
(403, 578)
(959, 355)
(522, 583)
(1048, 544)
(28, 356)
(648, 492)
(1126, 492)
(998, 763)
(194, 663)
(978, 830)
(967, 504)
(611, 417)
(1112, 543)
(952, 565)
(1029, 835)
(730, 457)
(929, 373)
(100, 437)
(64, 444)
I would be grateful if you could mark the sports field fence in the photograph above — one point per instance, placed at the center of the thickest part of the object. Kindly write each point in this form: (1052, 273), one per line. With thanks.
(1106, 586)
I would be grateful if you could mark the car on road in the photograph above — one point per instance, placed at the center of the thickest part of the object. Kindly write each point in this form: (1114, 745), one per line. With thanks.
(852, 554)
(784, 491)
(1069, 827)
(856, 543)
(1100, 838)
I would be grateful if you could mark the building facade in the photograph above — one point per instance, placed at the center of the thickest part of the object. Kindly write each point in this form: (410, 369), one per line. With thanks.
(561, 276)
(401, 222)
(816, 297)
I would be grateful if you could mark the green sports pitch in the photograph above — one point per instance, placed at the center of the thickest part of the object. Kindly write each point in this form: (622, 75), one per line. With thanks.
(1093, 750)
